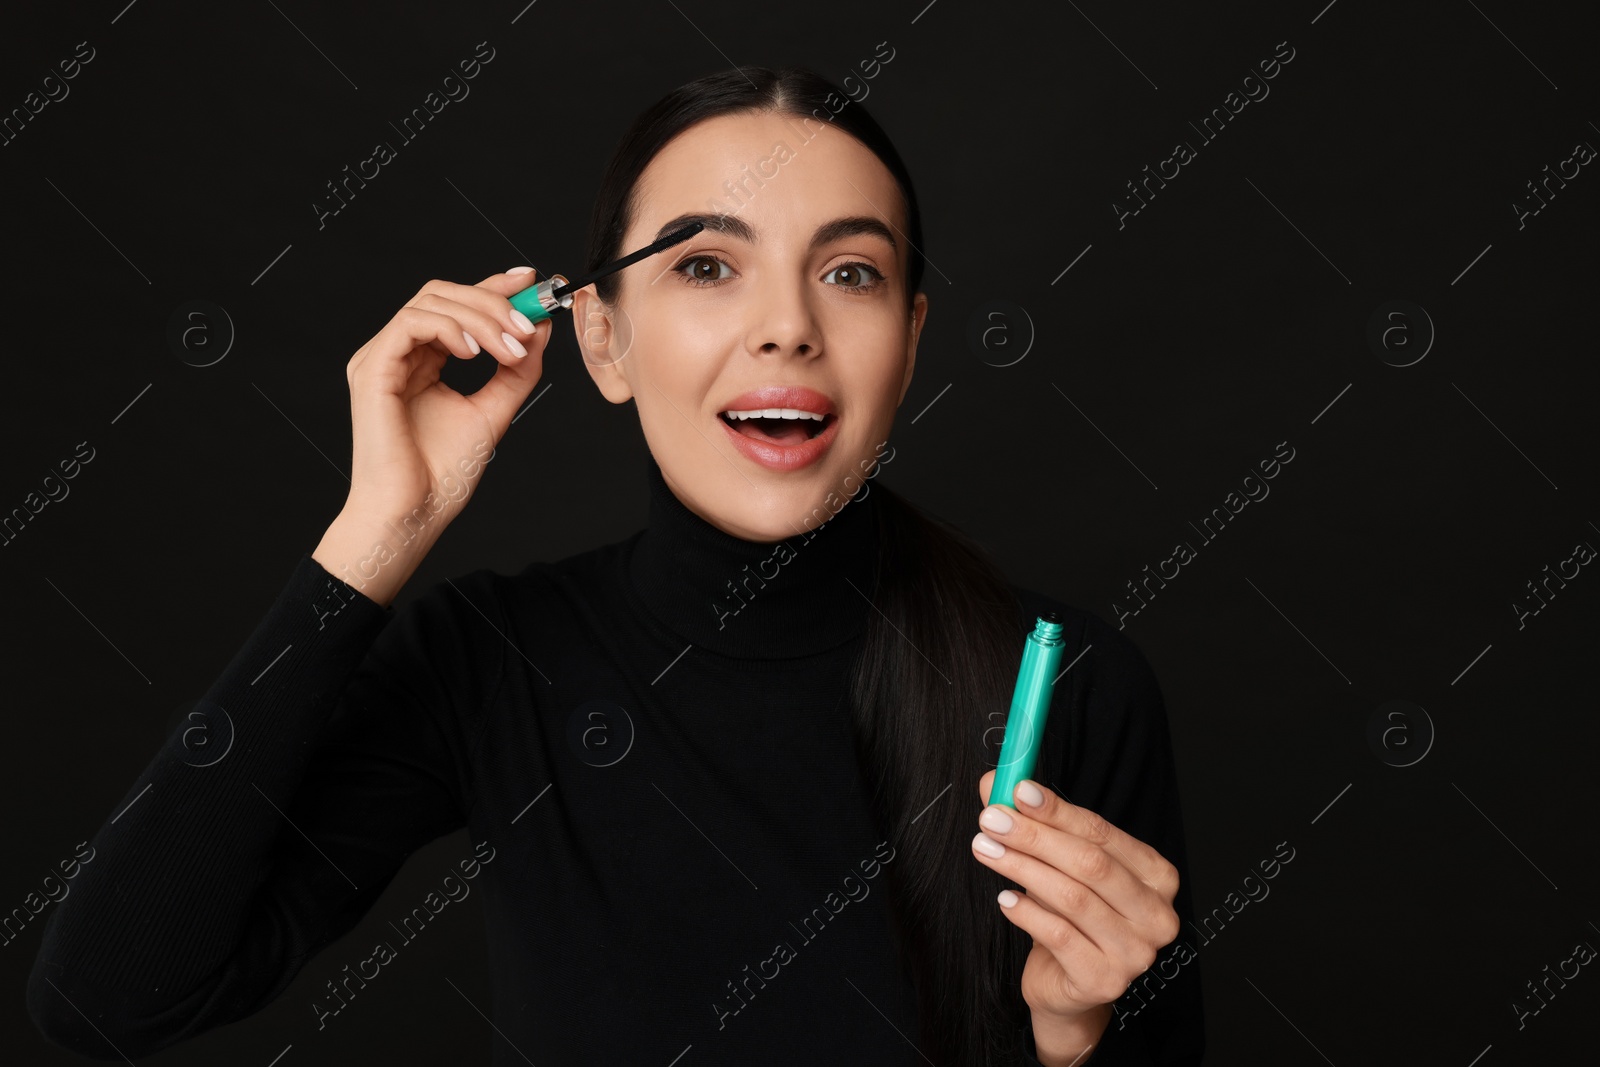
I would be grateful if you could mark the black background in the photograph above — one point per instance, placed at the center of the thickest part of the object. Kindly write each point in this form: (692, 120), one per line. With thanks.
(1229, 315)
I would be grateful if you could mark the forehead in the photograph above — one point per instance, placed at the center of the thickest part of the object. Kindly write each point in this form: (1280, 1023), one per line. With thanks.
(776, 171)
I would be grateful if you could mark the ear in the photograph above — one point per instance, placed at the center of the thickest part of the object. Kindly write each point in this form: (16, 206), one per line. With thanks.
(602, 343)
(919, 315)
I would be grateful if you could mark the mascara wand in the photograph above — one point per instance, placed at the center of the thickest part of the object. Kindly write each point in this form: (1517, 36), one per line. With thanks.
(542, 300)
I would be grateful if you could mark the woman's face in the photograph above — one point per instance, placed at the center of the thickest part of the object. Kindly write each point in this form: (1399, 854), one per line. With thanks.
(766, 295)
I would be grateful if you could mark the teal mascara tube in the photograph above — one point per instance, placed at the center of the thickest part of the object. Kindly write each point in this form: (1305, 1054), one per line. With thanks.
(542, 300)
(1030, 705)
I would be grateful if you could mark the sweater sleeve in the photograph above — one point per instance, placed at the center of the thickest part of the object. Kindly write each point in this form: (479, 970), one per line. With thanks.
(333, 745)
(1119, 763)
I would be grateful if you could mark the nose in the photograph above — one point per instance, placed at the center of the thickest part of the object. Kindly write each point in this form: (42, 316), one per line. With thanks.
(782, 321)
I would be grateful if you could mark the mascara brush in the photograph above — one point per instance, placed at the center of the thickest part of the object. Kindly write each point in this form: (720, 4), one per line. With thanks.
(545, 298)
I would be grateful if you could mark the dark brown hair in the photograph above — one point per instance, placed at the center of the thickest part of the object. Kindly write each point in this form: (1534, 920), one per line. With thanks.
(921, 730)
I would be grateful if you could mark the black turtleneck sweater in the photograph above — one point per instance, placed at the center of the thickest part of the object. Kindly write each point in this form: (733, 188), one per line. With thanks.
(668, 826)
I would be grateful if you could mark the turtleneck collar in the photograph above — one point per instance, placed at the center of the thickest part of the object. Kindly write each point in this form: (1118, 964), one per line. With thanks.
(753, 599)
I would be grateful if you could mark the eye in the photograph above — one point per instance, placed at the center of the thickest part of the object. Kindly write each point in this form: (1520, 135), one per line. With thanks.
(696, 276)
(857, 271)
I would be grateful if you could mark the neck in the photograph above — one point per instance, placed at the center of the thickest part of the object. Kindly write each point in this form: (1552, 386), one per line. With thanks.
(753, 599)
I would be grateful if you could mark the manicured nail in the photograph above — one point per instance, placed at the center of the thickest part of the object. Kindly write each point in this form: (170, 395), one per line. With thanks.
(521, 321)
(520, 270)
(1029, 794)
(514, 344)
(471, 343)
(988, 846)
(1007, 898)
(996, 819)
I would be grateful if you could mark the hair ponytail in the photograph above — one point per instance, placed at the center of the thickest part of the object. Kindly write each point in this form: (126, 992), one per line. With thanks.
(942, 646)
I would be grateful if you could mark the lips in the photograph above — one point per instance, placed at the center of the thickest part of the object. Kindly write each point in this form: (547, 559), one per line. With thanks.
(789, 451)
(781, 396)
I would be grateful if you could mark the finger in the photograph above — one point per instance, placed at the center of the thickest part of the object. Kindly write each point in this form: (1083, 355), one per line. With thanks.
(1081, 862)
(1091, 977)
(1069, 898)
(386, 363)
(1150, 866)
(508, 285)
(480, 323)
(502, 395)
(490, 296)
(512, 281)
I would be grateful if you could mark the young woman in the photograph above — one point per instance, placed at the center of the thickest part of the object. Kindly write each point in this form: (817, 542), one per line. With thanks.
(723, 778)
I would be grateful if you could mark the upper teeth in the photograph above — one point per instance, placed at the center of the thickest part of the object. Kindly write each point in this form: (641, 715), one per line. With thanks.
(774, 413)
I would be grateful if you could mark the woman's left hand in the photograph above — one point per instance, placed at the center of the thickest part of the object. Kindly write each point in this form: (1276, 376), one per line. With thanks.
(1098, 902)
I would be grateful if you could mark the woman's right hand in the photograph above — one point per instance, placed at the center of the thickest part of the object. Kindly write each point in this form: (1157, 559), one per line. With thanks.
(419, 447)
(411, 434)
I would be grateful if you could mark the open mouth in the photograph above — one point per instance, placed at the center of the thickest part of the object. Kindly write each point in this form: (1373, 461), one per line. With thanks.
(784, 432)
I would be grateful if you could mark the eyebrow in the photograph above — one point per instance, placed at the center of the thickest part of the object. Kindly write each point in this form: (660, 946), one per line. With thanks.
(837, 229)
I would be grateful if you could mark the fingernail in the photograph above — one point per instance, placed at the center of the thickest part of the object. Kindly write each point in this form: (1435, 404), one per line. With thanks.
(1029, 794)
(1007, 898)
(521, 321)
(520, 270)
(988, 846)
(471, 343)
(513, 344)
(994, 818)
